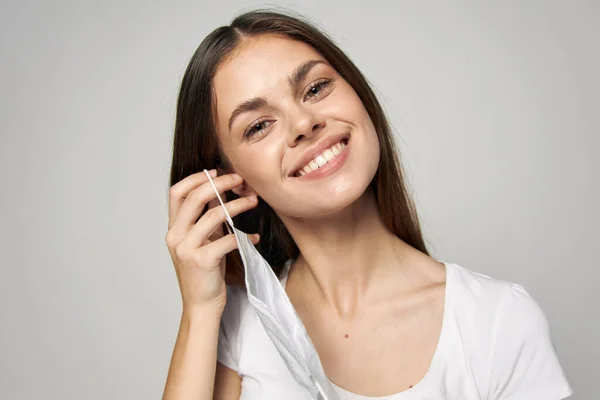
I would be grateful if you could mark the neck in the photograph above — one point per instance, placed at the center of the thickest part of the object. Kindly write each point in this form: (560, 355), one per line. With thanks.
(343, 256)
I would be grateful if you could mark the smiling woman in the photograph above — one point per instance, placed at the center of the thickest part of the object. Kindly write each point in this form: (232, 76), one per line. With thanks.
(223, 97)
(302, 153)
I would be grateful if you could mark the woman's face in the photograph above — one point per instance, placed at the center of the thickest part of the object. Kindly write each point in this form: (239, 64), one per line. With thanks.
(282, 109)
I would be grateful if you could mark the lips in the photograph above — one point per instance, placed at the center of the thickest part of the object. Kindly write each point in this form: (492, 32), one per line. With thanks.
(328, 155)
(320, 154)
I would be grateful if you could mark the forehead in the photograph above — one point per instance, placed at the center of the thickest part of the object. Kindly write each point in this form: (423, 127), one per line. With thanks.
(258, 66)
(263, 55)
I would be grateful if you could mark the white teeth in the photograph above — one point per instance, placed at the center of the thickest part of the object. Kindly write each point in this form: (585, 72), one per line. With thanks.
(322, 159)
(328, 155)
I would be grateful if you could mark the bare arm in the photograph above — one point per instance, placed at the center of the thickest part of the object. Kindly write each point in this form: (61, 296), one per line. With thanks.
(192, 370)
(198, 248)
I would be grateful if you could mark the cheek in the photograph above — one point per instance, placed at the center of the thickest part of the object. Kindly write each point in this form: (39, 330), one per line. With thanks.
(260, 166)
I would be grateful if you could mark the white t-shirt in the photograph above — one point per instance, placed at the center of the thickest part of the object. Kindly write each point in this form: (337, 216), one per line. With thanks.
(494, 344)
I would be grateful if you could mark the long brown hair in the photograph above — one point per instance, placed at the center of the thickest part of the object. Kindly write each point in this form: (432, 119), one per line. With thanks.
(196, 146)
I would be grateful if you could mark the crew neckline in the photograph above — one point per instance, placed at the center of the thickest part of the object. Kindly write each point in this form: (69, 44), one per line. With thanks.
(427, 383)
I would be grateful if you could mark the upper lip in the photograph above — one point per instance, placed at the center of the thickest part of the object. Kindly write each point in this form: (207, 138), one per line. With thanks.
(317, 149)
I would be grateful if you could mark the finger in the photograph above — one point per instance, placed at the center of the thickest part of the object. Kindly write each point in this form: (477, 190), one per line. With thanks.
(194, 203)
(213, 203)
(181, 189)
(214, 218)
(217, 233)
(212, 253)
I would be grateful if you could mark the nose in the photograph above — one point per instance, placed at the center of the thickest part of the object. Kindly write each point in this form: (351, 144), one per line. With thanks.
(305, 124)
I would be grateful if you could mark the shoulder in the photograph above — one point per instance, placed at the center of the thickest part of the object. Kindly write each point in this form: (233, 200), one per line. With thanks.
(496, 303)
(475, 294)
(476, 283)
(502, 321)
(503, 302)
(523, 362)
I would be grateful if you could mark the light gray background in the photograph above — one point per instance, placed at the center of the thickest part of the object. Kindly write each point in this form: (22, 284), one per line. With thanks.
(496, 106)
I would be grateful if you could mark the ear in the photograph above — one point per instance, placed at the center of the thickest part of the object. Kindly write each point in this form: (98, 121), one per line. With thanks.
(244, 190)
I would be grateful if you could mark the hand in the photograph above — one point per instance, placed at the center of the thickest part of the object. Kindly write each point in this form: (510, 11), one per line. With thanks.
(198, 249)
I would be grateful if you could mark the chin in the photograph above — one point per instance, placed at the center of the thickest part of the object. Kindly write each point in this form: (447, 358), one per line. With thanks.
(319, 195)
(335, 197)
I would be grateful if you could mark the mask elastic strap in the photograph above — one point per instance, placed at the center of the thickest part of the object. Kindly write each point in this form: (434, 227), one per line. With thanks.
(229, 220)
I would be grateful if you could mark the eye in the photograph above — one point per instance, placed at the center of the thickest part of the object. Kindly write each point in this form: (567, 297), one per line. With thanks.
(257, 127)
(318, 88)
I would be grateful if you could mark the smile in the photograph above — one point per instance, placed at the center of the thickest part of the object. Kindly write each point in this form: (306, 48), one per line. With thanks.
(330, 156)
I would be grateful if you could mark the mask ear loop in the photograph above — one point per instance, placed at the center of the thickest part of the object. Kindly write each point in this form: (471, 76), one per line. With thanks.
(229, 220)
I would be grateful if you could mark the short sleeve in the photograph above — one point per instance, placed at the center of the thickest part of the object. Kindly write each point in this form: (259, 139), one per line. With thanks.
(524, 365)
(227, 348)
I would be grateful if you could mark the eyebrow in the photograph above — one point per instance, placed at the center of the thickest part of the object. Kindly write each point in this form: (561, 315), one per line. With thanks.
(294, 81)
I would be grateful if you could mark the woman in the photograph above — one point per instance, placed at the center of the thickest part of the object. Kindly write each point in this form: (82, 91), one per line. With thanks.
(300, 147)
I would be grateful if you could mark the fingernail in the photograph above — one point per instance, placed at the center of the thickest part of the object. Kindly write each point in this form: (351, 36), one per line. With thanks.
(236, 176)
(213, 172)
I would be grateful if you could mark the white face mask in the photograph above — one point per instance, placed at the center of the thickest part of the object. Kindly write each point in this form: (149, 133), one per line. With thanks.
(279, 318)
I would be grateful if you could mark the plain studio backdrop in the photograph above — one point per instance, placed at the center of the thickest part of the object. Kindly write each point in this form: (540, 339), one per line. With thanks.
(495, 107)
